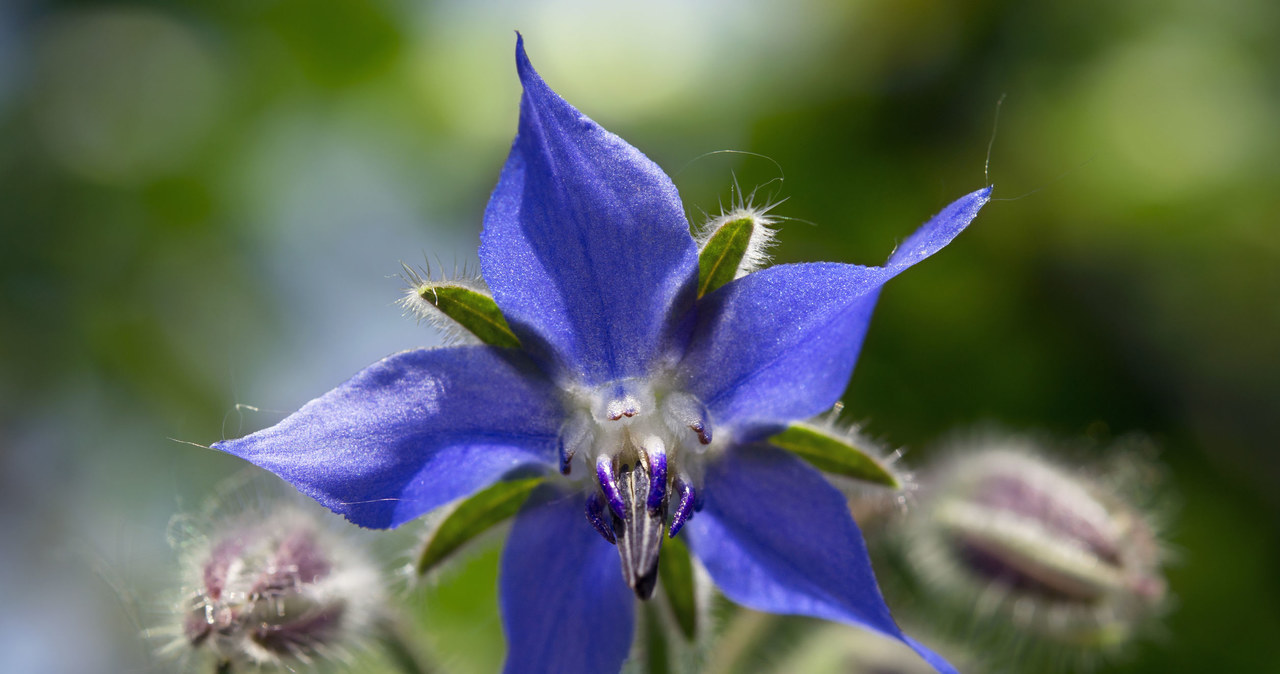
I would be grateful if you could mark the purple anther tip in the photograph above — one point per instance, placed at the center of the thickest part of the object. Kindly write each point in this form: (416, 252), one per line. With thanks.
(657, 480)
(703, 430)
(623, 405)
(609, 483)
(684, 511)
(595, 515)
(566, 458)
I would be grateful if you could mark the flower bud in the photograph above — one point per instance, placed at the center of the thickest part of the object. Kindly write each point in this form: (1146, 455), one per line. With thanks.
(1018, 540)
(275, 588)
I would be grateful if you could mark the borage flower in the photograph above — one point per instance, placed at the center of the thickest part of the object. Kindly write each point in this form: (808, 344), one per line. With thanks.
(652, 393)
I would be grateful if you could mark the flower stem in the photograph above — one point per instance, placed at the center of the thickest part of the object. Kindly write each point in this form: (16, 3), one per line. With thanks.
(400, 649)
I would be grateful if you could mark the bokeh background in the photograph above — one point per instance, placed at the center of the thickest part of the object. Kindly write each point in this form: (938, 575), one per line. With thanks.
(204, 206)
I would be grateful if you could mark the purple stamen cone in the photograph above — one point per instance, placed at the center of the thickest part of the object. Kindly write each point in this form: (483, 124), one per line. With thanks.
(640, 532)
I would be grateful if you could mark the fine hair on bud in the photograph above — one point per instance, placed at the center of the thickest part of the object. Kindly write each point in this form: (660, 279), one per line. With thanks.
(1030, 559)
(270, 582)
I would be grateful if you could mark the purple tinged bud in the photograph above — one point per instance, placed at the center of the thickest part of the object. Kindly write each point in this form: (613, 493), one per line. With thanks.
(276, 587)
(598, 519)
(684, 511)
(609, 484)
(1047, 549)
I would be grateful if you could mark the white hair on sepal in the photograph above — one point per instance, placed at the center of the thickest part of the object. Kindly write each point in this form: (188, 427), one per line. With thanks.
(763, 231)
(870, 502)
(419, 297)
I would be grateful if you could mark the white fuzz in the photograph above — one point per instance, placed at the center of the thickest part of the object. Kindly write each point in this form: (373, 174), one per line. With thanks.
(653, 422)
(419, 282)
(868, 501)
(763, 233)
(1035, 551)
(270, 583)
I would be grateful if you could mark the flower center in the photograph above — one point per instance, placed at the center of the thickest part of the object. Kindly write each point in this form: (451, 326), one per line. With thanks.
(644, 446)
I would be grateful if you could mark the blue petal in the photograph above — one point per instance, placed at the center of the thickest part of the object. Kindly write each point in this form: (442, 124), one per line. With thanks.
(565, 607)
(411, 432)
(776, 537)
(585, 243)
(780, 344)
(934, 235)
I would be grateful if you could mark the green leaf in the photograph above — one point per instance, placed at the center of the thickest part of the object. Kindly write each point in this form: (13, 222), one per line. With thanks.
(472, 517)
(676, 571)
(720, 257)
(472, 309)
(835, 454)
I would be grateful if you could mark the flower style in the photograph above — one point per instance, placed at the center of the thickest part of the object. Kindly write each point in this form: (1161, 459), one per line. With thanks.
(653, 400)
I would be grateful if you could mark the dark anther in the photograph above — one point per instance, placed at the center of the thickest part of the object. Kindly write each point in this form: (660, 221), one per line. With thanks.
(566, 459)
(623, 405)
(639, 531)
(574, 435)
(687, 410)
(703, 431)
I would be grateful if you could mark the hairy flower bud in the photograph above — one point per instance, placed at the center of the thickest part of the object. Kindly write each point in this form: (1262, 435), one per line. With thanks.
(1055, 553)
(276, 587)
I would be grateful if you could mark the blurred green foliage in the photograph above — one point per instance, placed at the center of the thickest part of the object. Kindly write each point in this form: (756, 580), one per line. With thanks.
(202, 202)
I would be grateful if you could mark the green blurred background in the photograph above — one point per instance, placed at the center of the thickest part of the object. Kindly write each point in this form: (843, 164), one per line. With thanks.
(204, 206)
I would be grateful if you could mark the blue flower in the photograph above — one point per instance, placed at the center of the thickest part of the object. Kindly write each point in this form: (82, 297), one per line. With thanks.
(654, 401)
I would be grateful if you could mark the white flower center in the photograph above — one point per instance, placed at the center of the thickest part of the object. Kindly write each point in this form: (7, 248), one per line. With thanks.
(644, 447)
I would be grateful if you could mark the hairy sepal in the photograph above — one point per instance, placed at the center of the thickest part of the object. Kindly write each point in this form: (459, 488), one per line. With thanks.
(472, 517)
(461, 308)
(733, 245)
(837, 452)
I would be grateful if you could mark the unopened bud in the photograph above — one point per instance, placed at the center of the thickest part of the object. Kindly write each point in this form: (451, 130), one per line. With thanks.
(1004, 534)
(275, 588)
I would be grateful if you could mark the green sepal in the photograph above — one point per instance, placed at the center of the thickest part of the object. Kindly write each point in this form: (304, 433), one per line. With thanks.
(473, 310)
(472, 517)
(722, 254)
(675, 569)
(835, 454)
(657, 655)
